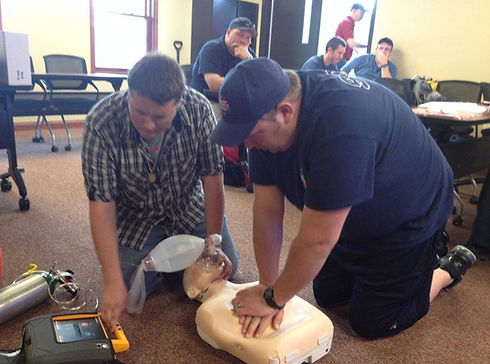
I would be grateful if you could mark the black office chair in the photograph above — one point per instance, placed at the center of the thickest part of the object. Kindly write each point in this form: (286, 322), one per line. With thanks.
(187, 69)
(32, 102)
(462, 91)
(485, 87)
(465, 157)
(400, 87)
(62, 63)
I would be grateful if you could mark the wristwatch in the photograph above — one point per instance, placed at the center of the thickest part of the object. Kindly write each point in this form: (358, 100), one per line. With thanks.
(384, 65)
(269, 298)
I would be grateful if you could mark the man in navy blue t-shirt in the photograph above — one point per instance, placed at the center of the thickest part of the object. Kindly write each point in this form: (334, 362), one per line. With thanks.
(218, 56)
(334, 51)
(374, 188)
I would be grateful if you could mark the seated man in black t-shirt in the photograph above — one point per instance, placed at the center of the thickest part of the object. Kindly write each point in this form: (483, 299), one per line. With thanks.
(215, 59)
(218, 56)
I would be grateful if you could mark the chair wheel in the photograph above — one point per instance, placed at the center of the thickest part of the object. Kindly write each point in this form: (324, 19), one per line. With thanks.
(68, 147)
(458, 221)
(24, 204)
(40, 140)
(35, 140)
(6, 185)
(474, 200)
(54, 148)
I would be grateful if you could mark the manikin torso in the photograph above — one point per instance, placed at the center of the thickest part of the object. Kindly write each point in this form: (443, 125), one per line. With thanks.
(305, 333)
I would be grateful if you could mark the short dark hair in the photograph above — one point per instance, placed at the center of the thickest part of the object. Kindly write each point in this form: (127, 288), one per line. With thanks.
(157, 77)
(386, 40)
(334, 43)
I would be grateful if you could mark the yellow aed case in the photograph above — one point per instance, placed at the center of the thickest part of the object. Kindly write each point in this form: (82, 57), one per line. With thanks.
(67, 339)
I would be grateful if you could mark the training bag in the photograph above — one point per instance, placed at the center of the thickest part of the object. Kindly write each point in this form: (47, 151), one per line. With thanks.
(422, 91)
(236, 166)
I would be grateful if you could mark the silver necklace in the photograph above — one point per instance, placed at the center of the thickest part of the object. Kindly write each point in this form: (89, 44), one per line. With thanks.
(152, 177)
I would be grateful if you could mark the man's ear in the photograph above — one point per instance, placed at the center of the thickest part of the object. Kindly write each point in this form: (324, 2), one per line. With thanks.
(286, 109)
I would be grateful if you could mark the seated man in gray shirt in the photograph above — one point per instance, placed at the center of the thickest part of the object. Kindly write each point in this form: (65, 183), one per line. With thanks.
(334, 51)
(374, 66)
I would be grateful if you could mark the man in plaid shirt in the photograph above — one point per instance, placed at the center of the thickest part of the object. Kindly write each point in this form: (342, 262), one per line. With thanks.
(151, 172)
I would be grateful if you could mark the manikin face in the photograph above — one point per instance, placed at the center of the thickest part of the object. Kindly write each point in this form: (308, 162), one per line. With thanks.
(149, 117)
(271, 135)
(237, 38)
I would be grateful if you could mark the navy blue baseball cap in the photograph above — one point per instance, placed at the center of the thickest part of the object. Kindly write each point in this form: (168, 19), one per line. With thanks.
(243, 23)
(250, 90)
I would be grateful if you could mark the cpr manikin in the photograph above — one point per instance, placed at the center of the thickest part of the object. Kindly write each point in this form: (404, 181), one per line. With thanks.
(305, 334)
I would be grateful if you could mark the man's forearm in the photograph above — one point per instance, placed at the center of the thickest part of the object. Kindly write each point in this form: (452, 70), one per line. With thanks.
(214, 203)
(353, 44)
(267, 237)
(268, 214)
(385, 72)
(213, 80)
(104, 233)
(303, 264)
(319, 232)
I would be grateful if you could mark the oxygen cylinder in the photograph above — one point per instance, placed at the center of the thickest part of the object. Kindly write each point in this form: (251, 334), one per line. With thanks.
(22, 295)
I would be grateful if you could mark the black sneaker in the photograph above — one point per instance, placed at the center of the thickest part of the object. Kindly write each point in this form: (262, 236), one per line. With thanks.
(456, 263)
(481, 253)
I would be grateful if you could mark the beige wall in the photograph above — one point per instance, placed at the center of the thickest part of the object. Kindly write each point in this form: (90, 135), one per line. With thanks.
(63, 26)
(442, 39)
(53, 26)
(430, 35)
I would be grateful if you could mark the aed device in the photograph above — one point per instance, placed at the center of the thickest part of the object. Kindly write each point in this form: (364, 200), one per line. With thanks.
(70, 339)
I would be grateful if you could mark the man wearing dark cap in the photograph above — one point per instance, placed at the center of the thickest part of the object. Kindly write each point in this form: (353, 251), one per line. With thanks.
(374, 189)
(218, 56)
(345, 30)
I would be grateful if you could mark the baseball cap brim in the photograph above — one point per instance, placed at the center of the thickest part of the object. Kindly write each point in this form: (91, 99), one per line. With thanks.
(254, 32)
(230, 134)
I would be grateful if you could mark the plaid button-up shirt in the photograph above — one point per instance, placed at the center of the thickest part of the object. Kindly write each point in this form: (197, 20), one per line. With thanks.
(116, 159)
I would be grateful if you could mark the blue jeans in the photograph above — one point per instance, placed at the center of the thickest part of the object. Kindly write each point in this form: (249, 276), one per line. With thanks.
(131, 258)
